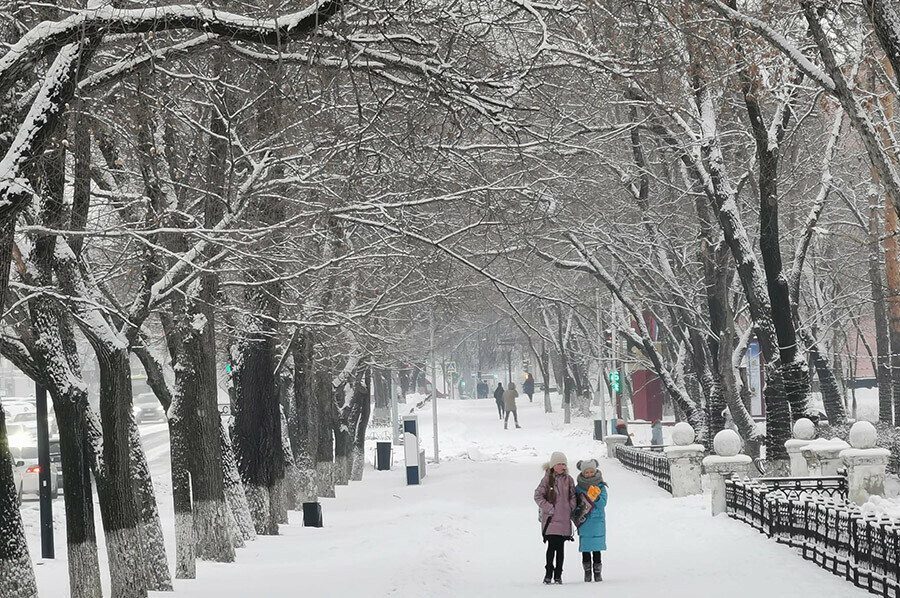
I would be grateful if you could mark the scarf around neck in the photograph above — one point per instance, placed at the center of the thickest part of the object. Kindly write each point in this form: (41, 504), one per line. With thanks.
(585, 483)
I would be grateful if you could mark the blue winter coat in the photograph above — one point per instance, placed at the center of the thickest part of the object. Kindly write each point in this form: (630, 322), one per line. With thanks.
(592, 533)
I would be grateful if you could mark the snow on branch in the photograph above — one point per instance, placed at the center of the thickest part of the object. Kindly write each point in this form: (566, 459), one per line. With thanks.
(15, 190)
(107, 20)
(777, 40)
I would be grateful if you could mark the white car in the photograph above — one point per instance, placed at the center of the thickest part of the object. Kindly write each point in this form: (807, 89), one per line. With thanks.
(26, 460)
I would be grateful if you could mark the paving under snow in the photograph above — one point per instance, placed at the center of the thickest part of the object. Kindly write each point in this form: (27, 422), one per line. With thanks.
(471, 530)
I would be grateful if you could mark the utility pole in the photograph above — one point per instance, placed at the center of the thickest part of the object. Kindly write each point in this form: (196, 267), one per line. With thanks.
(545, 359)
(601, 394)
(43, 438)
(615, 355)
(434, 402)
(395, 416)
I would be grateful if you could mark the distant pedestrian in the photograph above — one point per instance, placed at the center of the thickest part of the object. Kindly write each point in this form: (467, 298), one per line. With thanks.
(528, 387)
(555, 496)
(589, 516)
(509, 404)
(498, 397)
(622, 428)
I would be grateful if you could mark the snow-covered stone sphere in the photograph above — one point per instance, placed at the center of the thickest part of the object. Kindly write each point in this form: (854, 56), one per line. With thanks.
(804, 429)
(683, 434)
(727, 443)
(863, 435)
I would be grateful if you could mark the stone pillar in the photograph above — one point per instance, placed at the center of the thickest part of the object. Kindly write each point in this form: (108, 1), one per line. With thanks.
(865, 463)
(611, 441)
(685, 461)
(804, 433)
(724, 464)
(823, 457)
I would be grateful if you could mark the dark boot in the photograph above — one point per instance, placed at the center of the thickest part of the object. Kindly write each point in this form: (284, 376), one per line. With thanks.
(548, 572)
(587, 571)
(558, 579)
(598, 571)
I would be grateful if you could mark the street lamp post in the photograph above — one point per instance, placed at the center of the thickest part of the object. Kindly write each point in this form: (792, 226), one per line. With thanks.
(43, 438)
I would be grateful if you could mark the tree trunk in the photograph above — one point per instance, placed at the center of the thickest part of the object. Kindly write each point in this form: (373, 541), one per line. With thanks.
(882, 338)
(16, 571)
(305, 425)
(325, 445)
(360, 421)
(119, 503)
(235, 497)
(257, 424)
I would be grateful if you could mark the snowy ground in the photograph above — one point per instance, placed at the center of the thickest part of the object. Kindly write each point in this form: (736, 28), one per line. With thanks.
(471, 530)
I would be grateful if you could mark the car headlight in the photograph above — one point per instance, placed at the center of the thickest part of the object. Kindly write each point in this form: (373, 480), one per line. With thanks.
(20, 440)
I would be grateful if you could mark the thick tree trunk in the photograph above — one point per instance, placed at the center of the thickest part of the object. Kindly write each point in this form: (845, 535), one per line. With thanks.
(235, 497)
(179, 456)
(360, 421)
(304, 426)
(257, 426)
(831, 394)
(16, 572)
(120, 507)
(325, 446)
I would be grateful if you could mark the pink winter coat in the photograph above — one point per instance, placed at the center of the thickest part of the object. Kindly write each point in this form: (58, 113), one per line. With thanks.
(561, 524)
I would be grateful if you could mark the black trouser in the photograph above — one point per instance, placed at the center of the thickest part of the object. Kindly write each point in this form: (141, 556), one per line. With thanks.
(530, 396)
(555, 547)
(586, 557)
(515, 416)
(500, 409)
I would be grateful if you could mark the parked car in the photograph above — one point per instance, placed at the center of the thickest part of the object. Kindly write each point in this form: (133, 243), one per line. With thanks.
(19, 435)
(148, 409)
(26, 458)
(14, 406)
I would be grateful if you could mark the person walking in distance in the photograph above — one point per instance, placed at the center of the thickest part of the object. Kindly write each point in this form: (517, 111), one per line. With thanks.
(528, 387)
(555, 496)
(498, 397)
(509, 404)
(590, 517)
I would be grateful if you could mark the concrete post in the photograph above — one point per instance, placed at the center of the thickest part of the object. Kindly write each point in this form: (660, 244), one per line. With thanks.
(823, 457)
(724, 464)
(865, 464)
(611, 441)
(685, 461)
(804, 433)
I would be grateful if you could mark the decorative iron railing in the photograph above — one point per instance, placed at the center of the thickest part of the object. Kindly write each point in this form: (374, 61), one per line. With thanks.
(813, 516)
(650, 463)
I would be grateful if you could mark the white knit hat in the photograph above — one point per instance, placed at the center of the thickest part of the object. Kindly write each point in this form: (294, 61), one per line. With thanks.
(557, 458)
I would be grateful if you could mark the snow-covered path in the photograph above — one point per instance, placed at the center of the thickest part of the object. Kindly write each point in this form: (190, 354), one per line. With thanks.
(471, 530)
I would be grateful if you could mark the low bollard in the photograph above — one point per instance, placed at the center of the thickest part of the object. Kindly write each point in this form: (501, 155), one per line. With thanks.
(383, 456)
(414, 461)
(312, 514)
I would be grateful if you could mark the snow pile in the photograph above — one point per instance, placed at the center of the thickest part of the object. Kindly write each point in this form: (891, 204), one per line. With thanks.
(882, 507)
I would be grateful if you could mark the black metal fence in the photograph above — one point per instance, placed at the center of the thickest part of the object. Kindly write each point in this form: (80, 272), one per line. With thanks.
(650, 463)
(814, 516)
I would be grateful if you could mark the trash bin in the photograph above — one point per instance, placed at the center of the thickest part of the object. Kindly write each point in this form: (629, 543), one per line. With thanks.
(598, 428)
(312, 514)
(382, 456)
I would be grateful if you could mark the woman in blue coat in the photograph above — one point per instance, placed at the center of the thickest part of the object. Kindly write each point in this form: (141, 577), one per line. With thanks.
(590, 517)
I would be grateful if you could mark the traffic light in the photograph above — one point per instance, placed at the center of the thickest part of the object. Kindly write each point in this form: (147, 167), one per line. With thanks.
(228, 368)
(614, 381)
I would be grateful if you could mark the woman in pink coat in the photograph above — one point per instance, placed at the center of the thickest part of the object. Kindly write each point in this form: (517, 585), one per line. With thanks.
(555, 496)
